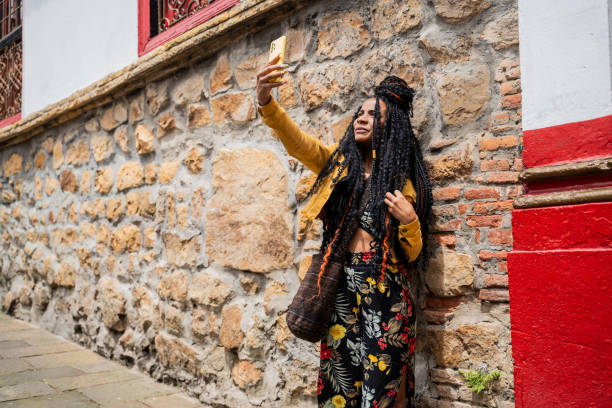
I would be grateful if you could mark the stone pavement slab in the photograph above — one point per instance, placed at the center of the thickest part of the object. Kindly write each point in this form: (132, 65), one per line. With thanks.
(126, 391)
(34, 375)
(64, 400)
(24, 390)
(69, 358)
(29, 351)
(13, 365)
(33, 336)
(171, 401)
(89, 380)
(39, 369)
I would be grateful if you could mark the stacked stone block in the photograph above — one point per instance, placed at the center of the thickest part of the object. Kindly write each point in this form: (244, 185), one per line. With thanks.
(163, 229)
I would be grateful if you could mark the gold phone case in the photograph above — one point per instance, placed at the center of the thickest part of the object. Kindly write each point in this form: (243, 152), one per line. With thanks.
(277, 47)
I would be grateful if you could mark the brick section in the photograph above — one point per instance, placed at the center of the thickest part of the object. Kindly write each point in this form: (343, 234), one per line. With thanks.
(495, 280)
(446, 194)
(495, 143)
(488, 207)
(494, 295)
(484, 220)
(512, 101)
(486, 255)
(480, 193)
(502, 177)
(495, 164)
(446, 239)
(500, 237)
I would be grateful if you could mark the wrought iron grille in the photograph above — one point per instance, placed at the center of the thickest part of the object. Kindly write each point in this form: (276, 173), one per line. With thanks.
(10, 58)
(170, 12)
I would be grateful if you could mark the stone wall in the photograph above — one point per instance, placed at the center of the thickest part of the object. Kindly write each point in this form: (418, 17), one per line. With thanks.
(162, 229)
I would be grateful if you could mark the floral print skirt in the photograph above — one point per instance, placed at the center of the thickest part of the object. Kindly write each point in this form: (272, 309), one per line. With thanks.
(371, 339)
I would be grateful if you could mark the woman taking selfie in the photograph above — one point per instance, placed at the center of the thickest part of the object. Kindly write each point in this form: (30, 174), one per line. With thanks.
(365, 185)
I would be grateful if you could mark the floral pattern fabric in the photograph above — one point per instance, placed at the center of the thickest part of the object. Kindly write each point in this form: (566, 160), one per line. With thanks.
(371, 338)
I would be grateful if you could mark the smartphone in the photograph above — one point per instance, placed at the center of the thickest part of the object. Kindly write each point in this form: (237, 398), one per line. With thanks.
(277, 48)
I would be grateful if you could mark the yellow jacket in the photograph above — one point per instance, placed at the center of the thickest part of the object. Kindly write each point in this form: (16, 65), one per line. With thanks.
(313, 154)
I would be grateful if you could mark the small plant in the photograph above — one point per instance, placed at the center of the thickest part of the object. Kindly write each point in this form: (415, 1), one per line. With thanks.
(479, 380)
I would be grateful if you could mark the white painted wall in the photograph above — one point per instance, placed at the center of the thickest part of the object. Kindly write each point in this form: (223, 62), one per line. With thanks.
(68, 44)
(565, 61)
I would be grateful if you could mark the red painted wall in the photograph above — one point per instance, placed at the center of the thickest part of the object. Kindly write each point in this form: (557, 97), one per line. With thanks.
(560, 279)
(561, 316)
(569, 142)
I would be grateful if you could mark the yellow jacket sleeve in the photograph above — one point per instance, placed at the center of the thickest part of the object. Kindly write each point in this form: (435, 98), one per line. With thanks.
(304, 147)
(409, 235)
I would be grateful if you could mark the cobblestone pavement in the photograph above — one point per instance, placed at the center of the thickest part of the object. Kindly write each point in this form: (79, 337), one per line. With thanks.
(41, 370)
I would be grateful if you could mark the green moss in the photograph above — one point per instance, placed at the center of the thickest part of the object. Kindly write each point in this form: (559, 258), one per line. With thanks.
(478, 381)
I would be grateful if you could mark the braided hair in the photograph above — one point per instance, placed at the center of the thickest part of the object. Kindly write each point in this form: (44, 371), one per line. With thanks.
(397, 158)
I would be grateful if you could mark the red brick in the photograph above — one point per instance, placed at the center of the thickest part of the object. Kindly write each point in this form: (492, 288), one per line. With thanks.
(495, 280)
(480, 193)
(484, 220)
(512, 101)
(452, 225)
(495, 143)
(502, 177)
(511, 87)
(495, 164)
(437, 316)
(463, 208)
(500, 237)
(518, 164)
(494, 295)
(444, 303)
(502, 266)
(486, 255)
(501, 118)
(488, 207)
(446, 239)
(477, 236)
(446, 194)
(514, 191)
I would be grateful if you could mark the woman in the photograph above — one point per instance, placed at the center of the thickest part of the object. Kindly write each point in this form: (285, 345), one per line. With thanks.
(367, 357)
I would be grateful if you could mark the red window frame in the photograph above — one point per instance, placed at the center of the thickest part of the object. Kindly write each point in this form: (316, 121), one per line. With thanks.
(147, 44)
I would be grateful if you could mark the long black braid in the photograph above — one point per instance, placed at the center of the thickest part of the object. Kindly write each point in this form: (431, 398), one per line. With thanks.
(397, 157)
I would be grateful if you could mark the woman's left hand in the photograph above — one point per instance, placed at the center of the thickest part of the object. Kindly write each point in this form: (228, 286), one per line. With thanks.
(399, 207)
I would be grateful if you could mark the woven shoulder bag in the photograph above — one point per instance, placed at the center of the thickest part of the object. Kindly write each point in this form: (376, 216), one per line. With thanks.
(310, 312)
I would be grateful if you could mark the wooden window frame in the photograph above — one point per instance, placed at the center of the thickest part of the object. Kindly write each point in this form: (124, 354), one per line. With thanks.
(9, 37)
(147, 44)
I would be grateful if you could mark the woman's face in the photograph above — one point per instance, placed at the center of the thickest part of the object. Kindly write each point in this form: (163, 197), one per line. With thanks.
(364, 124)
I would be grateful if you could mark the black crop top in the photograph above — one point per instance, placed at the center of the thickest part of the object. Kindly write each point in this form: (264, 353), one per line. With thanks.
(365, 219)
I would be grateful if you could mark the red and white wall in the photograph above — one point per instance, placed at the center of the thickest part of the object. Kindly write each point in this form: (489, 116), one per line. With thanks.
(560, 269)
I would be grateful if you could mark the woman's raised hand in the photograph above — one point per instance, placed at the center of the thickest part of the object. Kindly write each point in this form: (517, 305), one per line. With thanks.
(270, 71)
(400, 208)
